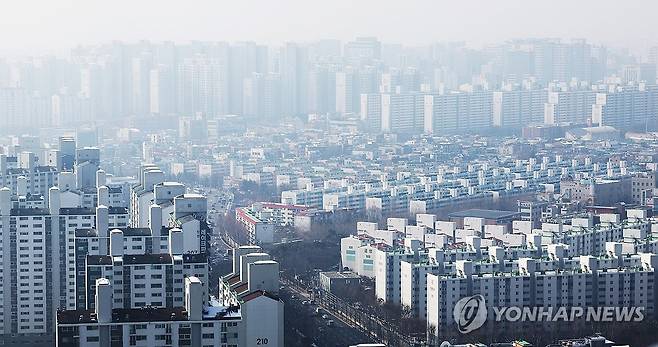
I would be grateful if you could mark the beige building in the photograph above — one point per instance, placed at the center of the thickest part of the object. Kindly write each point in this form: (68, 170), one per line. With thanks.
(642, 185)
(600, 192)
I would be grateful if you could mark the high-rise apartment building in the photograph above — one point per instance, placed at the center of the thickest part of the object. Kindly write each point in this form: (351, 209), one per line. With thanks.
(569, 106)
(627, 108)
(202, 86)
(162, 97)
(519, 108)
(193, 323)
(244, 59)
(402, 113)
(346, 86)
(363, 50)
(293, 68)
(458, 112)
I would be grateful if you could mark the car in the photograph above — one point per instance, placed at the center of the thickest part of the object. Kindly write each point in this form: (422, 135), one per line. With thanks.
(330, 322)
(324, 316)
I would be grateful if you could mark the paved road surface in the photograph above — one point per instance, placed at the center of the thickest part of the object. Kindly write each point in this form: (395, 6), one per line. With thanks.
(304, 322)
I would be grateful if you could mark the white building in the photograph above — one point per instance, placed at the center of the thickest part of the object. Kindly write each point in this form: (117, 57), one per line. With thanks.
(584, 286)
(458, 112)
(254, 286)
(146, 279)
(193, 323)
(258, 231)
(42, 241)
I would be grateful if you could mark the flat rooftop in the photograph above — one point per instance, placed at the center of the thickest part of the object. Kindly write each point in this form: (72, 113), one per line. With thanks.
(144, 314)
(142, 259)
(340, 275)
(127, 232)
(486, 214)
(149, 314)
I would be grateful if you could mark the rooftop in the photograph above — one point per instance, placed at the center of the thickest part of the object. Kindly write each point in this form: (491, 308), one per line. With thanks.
(150, 314)
(147, 259)
(127, 232)
(87, 211)
(139, 259)
(340, 275)
(234, 279)
(486, 214)
(257, 294)
(28, 212)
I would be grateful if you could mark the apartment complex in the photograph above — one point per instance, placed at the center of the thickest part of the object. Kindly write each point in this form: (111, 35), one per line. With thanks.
(427, 267)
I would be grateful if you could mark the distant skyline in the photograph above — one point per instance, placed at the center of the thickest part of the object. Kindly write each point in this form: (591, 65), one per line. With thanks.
(31, 26)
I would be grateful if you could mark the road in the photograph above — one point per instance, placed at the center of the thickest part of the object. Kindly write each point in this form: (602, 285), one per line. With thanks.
(309, 328)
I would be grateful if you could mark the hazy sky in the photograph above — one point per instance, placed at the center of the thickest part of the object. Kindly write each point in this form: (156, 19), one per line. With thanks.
(29, 25)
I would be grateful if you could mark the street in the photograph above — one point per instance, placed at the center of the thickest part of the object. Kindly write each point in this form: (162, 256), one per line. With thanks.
(305, 326)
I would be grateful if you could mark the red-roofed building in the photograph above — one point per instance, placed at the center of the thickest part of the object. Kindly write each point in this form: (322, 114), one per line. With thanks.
(258, 231)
